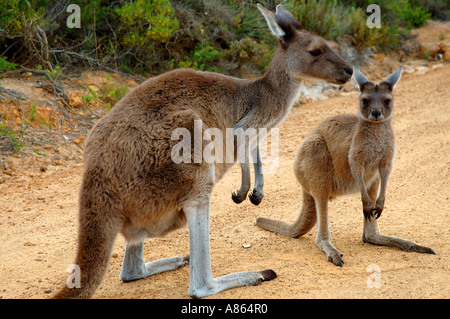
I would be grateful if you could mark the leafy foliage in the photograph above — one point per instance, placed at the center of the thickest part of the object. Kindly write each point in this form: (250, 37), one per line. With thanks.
(152, 36)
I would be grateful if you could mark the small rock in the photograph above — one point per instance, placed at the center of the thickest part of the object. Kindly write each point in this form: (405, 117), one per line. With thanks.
(29, 244)
(247, 245)
(47, 291)
(8, 172)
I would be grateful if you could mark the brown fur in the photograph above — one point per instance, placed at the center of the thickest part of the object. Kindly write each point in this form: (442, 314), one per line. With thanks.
(130, 183)
(342, 155)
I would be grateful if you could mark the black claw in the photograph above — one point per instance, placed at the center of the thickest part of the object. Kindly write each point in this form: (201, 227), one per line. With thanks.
(341, 263)
(254, 199)
(236, 198)
(268, 274)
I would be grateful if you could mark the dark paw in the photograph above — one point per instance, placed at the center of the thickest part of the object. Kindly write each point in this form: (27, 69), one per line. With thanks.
(336, 260)
(376, 212)
(256, 197)
(367, 213)
(236, 198)
(370, 213)
(268, 274)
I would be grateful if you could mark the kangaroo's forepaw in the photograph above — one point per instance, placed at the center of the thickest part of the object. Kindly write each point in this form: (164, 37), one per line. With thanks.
(376, 212)
(256, 196)
(238, 198)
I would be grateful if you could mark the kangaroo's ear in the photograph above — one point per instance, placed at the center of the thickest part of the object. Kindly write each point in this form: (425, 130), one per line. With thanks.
(287, 16)
(360, 78)
(277, 24)
(393, 79)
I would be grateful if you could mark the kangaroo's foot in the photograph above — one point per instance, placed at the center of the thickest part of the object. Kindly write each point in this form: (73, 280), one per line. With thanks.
(134, 267)
(372, 235)
(403, 244)
(333, 255)
(237, 279)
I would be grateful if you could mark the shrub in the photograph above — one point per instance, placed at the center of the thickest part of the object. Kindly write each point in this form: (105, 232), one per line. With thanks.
(204, 57)
(384, 37)
(249, 51)
(5, 65)
(415, 17)
(144, 22)
(152, 36)
(323, 17)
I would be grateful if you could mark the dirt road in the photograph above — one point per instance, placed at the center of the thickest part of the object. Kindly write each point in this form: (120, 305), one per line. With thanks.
(38, 219)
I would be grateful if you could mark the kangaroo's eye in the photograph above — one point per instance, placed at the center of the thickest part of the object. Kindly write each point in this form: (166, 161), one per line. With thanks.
(365, 102)
(387, 101)
(315, 52)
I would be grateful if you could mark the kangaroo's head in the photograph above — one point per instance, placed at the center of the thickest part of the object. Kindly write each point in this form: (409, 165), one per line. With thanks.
(376, 100)
(302, 53)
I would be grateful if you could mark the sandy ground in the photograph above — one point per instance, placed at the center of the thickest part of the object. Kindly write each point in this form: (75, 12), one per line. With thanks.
(38, 219)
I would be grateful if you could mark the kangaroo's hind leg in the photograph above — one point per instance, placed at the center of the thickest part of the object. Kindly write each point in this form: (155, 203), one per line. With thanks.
(323, 238)
(134, 266)
(372, 235)
(202, 283)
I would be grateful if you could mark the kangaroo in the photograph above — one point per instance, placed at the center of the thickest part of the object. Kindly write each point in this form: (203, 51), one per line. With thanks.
(131, 185)
(347, 154)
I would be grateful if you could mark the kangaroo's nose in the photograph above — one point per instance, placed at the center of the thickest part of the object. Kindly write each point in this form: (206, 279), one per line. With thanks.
(376, 114)
(348, 70)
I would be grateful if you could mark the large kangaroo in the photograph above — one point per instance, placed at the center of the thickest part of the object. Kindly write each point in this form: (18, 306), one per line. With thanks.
(132, 186)
(346, 154)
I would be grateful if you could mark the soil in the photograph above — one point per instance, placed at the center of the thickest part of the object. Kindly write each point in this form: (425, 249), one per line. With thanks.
(39, 194)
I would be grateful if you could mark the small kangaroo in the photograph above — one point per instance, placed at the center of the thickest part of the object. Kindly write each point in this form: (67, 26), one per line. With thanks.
(347, 154)
(131, 184)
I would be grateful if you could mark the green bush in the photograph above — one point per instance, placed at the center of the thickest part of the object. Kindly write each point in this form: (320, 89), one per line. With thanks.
(5, 65)
(204, 57)
(249, 51)
(150, 37)
(363, 36)
(146, 21)
(17, 16)
(323, 17)
(415, 17)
